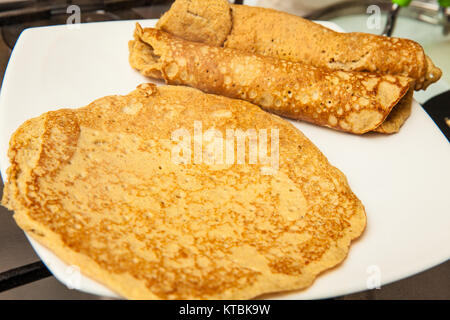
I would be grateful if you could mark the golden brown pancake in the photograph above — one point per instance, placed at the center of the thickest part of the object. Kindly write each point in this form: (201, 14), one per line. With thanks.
(350, 101)
(285, 36)
(98, 186)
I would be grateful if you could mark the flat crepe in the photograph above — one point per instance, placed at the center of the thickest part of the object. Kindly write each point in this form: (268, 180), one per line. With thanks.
(355, 102)
(99, 187)
(282, 35)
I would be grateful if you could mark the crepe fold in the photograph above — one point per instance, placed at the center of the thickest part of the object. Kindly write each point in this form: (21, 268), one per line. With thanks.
(349, 101)
(282, 35)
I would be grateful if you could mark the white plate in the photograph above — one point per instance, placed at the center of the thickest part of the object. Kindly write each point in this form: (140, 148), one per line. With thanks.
(402, 179)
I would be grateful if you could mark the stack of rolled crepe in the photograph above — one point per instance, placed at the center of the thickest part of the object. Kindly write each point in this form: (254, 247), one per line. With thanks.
(287, 65)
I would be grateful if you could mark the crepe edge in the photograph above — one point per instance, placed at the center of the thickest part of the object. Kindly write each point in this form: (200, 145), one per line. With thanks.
(398, 115)
(130, 288)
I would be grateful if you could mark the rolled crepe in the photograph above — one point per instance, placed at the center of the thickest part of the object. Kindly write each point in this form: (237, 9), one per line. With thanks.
(282, 35)
(349, 101)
